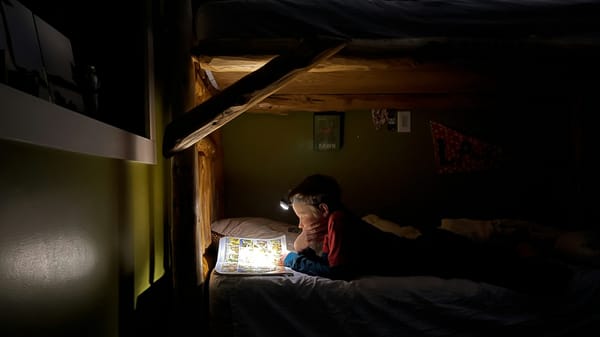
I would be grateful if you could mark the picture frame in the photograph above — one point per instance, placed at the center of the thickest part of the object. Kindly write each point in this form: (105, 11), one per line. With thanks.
(328, 131)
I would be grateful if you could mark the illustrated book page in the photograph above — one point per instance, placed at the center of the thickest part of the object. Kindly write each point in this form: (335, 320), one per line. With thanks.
(251, 256)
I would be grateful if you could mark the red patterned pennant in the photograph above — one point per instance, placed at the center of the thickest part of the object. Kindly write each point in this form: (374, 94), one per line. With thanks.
(455, 152)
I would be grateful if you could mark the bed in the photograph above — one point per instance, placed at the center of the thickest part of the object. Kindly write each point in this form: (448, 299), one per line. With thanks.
(303, 305)
(309, 55)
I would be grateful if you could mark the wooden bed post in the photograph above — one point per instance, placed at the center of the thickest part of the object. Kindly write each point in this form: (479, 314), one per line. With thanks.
(186, 268)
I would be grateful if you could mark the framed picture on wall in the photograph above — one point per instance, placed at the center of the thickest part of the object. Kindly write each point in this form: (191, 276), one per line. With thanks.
(327, 131)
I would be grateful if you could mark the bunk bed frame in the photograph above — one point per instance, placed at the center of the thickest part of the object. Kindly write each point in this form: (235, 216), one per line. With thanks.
(295, 37)
(293, 61)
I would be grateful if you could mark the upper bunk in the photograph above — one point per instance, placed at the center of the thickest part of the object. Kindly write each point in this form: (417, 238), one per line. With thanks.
(265, 26)
(318, 55)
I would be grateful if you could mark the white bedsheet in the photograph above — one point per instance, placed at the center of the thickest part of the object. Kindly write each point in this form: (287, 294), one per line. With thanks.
(302, 305)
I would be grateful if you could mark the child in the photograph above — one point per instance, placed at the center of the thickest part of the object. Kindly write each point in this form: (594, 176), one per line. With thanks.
(352, 248)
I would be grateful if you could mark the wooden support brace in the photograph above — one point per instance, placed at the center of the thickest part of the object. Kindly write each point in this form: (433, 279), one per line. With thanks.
(189, 128)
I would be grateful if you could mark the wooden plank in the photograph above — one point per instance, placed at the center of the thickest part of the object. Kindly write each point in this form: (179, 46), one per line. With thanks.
(282, 104)
(377, 82)
(187, 129)
(425, 80)
(247, 64)
(478, 72)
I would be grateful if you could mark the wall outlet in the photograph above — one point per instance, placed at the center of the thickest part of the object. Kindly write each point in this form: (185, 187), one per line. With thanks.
(403, 121)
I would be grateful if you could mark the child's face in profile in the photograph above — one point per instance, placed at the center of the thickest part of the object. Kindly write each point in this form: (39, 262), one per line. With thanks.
(309, 217)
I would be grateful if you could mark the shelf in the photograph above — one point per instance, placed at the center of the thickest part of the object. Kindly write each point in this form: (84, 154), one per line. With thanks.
(29, 119)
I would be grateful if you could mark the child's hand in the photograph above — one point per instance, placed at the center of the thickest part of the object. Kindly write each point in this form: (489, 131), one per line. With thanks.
(315, 231)
(282, 258)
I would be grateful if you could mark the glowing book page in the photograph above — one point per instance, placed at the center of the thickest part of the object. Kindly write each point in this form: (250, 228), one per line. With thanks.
(247, 256)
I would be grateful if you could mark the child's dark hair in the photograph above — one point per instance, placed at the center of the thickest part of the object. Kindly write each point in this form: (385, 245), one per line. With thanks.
(316, 189)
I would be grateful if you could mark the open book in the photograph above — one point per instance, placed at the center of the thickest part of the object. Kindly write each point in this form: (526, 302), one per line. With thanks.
(248, 256)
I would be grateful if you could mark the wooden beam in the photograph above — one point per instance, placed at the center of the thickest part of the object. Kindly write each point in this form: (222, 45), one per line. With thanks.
(281, 104)
(195, 124)
(380, 82)
(247, 64)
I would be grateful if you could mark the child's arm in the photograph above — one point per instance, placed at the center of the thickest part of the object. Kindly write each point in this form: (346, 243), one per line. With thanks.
(308, 263)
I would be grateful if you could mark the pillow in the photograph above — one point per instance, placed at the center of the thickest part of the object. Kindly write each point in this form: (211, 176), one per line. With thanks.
(254, 227)
(392, 227)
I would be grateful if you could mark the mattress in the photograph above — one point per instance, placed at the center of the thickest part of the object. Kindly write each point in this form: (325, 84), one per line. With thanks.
(396, 19)
(302, 305)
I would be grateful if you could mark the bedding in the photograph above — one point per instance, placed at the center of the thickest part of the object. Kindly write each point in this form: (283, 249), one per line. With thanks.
(577, 246)
(396, 19)
(385, 225)
(303, 305)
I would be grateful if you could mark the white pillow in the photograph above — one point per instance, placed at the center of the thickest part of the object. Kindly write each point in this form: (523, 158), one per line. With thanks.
(256, 227)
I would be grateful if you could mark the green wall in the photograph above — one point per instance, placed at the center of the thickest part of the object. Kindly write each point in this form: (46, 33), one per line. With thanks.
(80, 238)
(394, 174)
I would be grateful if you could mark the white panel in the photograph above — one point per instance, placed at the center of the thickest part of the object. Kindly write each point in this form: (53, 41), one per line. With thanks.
(32, 120)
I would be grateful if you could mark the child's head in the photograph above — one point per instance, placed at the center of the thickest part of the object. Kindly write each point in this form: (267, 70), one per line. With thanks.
(315, 190)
